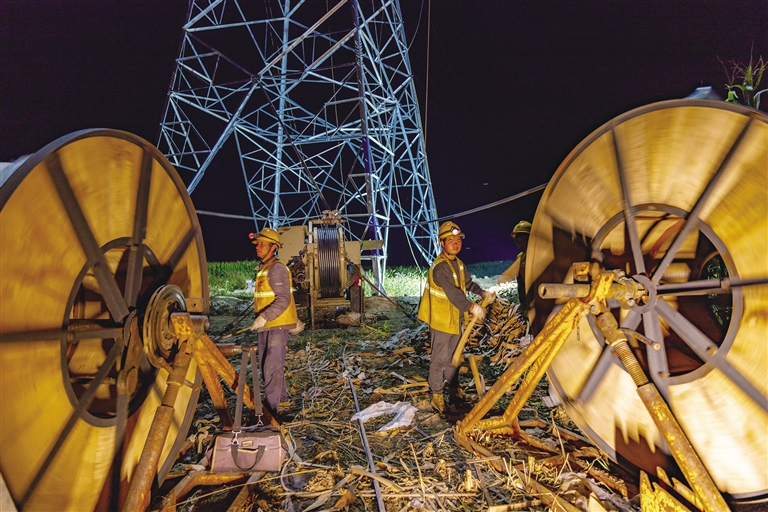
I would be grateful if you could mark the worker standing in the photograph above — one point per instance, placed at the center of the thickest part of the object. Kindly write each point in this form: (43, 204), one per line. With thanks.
(275, 315)
(520, 234)
(445, 307)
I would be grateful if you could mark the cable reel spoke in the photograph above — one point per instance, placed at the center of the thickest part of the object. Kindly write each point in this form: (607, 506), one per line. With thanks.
(703, 346)
(628, 210)
(109, 289)
(136, 258)
(693, 219)
(706, 350)
(68, 336)
(607, 359)
(83, 404)
(658, 365)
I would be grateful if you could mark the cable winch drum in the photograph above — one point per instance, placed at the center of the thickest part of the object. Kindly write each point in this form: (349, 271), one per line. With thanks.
(329, 260)
(90, 227)
(674, 194)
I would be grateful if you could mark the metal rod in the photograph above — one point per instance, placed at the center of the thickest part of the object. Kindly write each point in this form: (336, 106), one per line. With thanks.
(683, 452)
(479, 382)
(241, 331)
(371, 466)
(458, 353)
(653, 344)
(708, 286)
(680, 447)
(145, 471)
(398, 306)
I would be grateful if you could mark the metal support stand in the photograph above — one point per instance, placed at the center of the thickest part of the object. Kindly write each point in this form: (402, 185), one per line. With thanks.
(537, 357)
(682, 450)
(194, 344)
(145, 471)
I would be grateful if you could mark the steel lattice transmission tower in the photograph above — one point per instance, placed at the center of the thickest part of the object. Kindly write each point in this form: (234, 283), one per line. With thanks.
(319, 101)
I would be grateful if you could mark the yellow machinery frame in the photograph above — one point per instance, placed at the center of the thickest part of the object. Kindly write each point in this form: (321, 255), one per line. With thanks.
(537, 357)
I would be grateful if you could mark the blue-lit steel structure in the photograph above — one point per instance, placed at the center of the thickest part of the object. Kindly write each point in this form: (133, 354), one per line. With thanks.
(319, 101)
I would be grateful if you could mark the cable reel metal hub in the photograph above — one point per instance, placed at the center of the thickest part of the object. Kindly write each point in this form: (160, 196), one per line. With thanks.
(159, 336)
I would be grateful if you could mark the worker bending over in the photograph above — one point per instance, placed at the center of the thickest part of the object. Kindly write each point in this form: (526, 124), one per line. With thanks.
(276, 315)
(445, 307)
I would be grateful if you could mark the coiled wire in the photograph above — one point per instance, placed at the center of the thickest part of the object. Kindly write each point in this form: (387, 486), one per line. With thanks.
(328, 261)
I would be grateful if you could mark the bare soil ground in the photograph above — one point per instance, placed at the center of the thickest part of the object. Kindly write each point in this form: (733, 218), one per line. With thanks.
(336, 371)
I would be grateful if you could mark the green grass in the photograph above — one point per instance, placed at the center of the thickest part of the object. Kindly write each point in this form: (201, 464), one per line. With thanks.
(409, 281)
(228, 277)
(401, 281)
(224, 278)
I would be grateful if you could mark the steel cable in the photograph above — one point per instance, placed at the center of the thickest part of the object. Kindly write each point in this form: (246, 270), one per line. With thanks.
(328, 261)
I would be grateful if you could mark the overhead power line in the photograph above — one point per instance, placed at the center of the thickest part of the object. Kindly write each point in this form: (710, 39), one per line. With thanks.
(440, 219)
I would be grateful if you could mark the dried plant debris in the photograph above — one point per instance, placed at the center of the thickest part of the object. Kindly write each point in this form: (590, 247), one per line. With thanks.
(417, 466)
(498, 338)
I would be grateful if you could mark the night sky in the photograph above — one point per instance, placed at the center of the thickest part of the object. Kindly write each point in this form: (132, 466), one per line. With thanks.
(513, 86)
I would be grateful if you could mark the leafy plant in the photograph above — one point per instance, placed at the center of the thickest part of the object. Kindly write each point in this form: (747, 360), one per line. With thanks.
(720, 305)
(744, 81)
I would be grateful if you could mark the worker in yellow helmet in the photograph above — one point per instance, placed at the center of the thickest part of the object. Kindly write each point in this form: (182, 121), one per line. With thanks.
(275, 315)
(516, 271)
(445, 307)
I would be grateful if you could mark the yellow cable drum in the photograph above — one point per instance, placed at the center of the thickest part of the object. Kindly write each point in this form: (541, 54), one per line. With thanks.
(674, 194)
(91, 227)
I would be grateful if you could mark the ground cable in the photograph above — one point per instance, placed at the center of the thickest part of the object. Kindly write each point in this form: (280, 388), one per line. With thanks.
(379, 499)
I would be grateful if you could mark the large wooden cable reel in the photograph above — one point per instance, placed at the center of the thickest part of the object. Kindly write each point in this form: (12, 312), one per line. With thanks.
(668, 193)
(99, 243)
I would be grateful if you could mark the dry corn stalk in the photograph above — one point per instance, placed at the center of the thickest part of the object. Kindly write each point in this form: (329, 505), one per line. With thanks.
(499, 336)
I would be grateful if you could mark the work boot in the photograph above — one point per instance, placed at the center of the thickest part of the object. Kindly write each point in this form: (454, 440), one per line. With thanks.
(455, 396)
(438, 403)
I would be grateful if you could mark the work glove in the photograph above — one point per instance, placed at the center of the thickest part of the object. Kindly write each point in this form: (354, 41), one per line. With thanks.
(259, 323)
(478, 311)
(488, 295)
(299, 327)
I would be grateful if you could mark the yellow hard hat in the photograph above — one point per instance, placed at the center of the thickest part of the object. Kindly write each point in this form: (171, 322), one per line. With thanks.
(449, 228)
(521, 227)
(268, 235)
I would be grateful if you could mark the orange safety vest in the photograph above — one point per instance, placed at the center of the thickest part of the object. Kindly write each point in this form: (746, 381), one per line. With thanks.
(435, 308)
(264, 295)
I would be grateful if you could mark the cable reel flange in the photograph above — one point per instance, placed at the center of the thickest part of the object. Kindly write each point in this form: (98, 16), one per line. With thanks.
(667, 185)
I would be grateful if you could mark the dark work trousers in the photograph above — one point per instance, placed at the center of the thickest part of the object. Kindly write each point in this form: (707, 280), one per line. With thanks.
(272, 345)
(443, 346)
